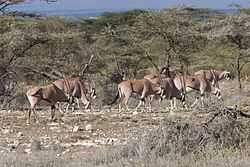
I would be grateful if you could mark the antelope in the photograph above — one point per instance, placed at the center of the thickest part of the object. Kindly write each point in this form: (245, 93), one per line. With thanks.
(128, 88)
(170, 91)
(77, 89)
(214, 76)
(217, 75)
(155, 78)
(197, 82)
(164, 78)
(62, 90)
(187, 83)
(48, 93)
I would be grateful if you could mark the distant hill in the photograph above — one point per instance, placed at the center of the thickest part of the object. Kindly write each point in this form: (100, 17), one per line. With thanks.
(73, 13)
(93, 12)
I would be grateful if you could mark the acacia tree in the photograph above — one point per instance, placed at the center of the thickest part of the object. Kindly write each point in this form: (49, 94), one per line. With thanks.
(170, 35)
(234, 31)
(154, 39)
(14, 49)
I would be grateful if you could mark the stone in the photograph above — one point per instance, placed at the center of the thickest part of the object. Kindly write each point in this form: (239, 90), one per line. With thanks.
(5, 131)
(75, 129)
(35, 145)
(89, 127)
(19, 134)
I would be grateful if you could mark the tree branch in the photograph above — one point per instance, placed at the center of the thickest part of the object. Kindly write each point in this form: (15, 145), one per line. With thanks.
(44, 74)
(27, 48)
(151, 61)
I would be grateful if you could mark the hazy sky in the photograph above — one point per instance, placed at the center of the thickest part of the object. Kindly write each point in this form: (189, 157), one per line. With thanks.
(127, 4)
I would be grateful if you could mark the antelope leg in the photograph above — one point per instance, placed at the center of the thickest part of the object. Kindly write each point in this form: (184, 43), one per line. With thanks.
(138, 105)
(36, 117)
(174, 102)
(171, 104)
(28, 116)
(53, 112)
(195, 102)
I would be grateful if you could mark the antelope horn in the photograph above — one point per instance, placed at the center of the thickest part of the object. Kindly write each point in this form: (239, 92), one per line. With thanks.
(87, 65)
(117, 65)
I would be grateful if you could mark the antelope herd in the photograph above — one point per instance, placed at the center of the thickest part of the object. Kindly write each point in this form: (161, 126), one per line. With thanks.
(165, 85)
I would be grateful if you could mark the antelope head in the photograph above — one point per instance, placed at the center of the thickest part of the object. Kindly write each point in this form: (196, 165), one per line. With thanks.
(117, 77)
(93, 93)
(227, 75)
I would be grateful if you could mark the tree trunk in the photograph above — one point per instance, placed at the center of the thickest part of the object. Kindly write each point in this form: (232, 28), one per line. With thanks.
(238, 71)
(168, 56)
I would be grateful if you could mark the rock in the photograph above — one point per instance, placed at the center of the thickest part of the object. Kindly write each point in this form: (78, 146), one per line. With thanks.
(89, 127)
(135, 113)
(5, 131)
(87, 143)
(107, 141)
(14, 145)
(28, 151)
(19, 134)
(75, 129)
(55, 128)
(66, 151)
(66, 145)
(35, 145)
(53, 124)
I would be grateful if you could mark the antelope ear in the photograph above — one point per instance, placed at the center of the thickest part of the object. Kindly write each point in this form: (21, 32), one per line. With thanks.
(223, 75)
(93, 93)
(227, 74)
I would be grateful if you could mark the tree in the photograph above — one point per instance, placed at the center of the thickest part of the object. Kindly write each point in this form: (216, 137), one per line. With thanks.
(233, 31)
(170, 34)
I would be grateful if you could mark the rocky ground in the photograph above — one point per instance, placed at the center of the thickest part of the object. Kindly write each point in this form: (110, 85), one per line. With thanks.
(73, 133)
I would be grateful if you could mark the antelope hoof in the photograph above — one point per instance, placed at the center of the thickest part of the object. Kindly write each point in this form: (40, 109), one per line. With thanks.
(53, 120)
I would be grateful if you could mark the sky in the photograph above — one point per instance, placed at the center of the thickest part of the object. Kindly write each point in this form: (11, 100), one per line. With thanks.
(38, 5)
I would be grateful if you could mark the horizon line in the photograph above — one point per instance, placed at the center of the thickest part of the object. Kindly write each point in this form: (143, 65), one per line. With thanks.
(125, 9)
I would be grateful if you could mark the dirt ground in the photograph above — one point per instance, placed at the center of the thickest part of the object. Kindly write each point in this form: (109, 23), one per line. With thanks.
(74, 134)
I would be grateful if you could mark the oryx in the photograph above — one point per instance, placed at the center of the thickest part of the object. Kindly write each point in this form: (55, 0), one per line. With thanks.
(214, 76)
(188, 83)
(139, 87)
(77, 88)
(169, 90)
(155, 78)
(48, 93)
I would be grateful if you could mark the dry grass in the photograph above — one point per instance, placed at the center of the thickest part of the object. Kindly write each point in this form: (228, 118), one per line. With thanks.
(186, 143)
(219, 158)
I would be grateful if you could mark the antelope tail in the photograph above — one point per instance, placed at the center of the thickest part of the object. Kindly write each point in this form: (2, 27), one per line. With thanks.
(116, 98)
(34, 91)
